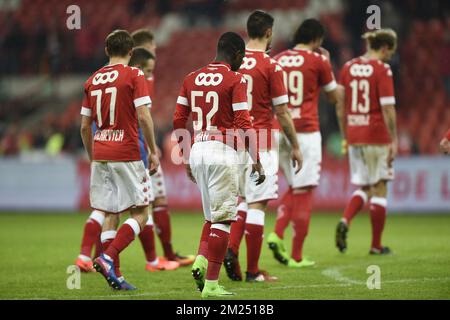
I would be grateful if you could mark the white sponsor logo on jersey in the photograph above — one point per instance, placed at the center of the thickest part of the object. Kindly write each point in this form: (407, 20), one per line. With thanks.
(248, 63)
(361, 70)
(291, 61)
(208, 79)
(104, 78)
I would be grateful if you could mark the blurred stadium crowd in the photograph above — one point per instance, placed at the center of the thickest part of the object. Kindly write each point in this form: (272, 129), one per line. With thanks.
(43, 64)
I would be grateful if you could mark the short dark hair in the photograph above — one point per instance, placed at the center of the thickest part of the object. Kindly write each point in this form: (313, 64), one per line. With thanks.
(119, 43)
(230, 43)
(310, 30)
(142, 36)
(139, 57)
(258, 23)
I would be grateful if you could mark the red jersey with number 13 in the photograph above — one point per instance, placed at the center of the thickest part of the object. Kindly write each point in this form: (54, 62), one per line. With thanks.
(368, 87)
(111, 96)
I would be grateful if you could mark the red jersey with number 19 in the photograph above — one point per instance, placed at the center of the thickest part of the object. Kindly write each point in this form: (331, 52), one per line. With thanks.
(368, 87)
(217, 98)
(305, 73)
(111, 96)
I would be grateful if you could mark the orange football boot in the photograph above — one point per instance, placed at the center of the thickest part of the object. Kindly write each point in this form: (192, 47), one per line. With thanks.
(85, 266)
(162, 265)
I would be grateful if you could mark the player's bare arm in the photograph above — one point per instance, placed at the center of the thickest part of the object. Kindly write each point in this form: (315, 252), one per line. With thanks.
(389, 116)
(340, 108)
(286, 123)
(146, 123)
(86, 134)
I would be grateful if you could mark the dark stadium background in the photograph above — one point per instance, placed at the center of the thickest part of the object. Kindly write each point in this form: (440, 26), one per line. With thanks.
(43, 66)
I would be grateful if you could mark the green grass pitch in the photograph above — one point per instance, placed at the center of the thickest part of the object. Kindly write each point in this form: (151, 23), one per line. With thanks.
(36, 250)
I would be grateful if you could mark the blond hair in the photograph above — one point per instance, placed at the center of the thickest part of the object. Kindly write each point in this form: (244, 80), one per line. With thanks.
(381, 37)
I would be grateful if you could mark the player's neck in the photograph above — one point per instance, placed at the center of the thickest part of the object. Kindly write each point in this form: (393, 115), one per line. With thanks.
(372, 55)
(302, 46)
(118, 60)
(257, 44)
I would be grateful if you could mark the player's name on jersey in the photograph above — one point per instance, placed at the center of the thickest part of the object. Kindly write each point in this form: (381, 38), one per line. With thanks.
(109, 135)
(358, 120)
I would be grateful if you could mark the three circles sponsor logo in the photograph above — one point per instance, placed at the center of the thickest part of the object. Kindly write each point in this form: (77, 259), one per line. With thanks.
(248, 63)
(104, 78)
(291, 61)
(361, 70)
(208, 79)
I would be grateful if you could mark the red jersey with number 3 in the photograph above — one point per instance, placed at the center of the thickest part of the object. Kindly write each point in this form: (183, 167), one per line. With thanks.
(217, 98)
(265, 87)
(111, 96)
(305, 73)
(368, 87)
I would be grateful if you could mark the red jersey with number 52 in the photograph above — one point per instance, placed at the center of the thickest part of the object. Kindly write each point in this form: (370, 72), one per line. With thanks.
(368, 87)
(305, 73)
(217, 98)
(111, 96)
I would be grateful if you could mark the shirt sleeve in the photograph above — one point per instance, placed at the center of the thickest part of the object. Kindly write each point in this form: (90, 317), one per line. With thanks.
(326, 76)
(182, 109)
(448, 135)
(386, 87)
(86, 109)
(278, 92)
(239, 95)
(140, 91)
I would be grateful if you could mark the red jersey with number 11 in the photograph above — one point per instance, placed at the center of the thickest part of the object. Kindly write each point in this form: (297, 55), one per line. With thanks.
(111, 96)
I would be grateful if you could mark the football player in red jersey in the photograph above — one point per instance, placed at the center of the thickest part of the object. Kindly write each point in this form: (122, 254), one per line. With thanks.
(265, 90)
(116, 99)
(145, 38)
(217, 97)
(306, 71)
(366, 111)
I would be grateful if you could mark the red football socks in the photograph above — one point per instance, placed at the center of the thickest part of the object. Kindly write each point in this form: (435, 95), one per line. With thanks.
(377, 219)
(284, 214)
(126, 234)
(91, 233)
(203, 246)
(238, 228)
(147, 237)
(161, 217)
(217, 248)
(301, 215)
(254, 233)
(356, 203)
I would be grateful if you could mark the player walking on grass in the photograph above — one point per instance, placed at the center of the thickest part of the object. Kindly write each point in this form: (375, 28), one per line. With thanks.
(265, 90)
(144, 60)
(306, 72)
(116, 99)
(161, 216)
(217, 97)
(366, 110)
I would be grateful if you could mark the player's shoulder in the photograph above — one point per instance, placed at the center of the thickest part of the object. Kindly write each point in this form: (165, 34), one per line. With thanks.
(284, 53)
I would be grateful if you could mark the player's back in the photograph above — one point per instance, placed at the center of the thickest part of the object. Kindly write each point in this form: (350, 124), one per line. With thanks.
(213, 93)
(368, 87)
(265, 86)
(305, 72)
(112, 95)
